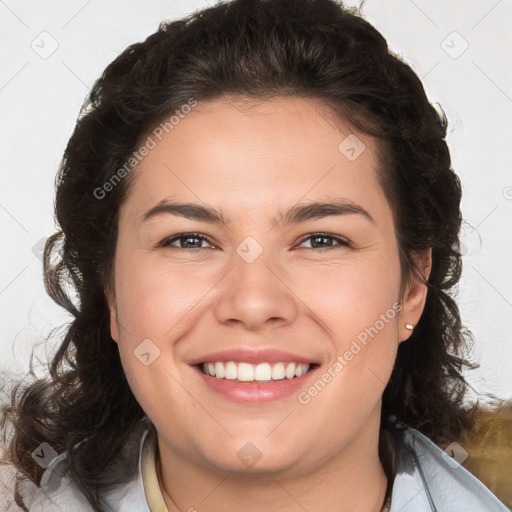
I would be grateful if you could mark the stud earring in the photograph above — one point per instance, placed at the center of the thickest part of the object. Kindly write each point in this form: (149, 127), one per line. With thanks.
(409, 326)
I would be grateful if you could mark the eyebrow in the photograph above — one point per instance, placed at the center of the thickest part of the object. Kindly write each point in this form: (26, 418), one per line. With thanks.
(297, 213)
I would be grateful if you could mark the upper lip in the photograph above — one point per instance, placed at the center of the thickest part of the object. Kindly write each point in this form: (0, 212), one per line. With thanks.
(242, 354)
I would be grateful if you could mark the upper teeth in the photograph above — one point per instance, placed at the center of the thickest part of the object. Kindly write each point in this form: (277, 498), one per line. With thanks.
(247, 372)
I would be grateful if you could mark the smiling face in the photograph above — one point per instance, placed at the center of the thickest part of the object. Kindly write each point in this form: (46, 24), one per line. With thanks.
(274, 280)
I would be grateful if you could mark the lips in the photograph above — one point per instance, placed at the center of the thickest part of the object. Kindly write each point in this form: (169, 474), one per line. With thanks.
(254, 393)
(249, 389)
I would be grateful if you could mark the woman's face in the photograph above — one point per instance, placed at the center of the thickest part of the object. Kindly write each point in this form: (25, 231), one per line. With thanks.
(273, 282)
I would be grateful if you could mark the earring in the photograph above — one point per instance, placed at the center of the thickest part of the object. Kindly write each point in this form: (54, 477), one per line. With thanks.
(409, 326)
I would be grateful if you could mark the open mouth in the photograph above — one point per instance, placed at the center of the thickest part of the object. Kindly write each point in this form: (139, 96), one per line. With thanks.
(262, 372)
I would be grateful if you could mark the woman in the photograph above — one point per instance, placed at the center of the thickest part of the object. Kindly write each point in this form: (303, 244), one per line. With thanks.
(259, 218)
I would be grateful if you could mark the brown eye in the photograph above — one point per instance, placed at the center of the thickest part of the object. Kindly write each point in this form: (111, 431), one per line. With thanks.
(324, 241)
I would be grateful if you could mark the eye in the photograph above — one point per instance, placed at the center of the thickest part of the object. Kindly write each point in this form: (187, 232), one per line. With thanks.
(319, 241)
(189, 241)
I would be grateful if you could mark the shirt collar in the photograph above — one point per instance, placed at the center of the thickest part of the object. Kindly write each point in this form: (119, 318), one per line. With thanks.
(150, 483)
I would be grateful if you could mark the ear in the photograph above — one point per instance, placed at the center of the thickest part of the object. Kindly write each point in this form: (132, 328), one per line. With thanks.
(415, 295)
(111, 301)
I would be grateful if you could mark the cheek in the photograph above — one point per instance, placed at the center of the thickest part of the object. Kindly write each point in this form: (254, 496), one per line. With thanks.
(349, 296)
(357, 304)
(154, 301)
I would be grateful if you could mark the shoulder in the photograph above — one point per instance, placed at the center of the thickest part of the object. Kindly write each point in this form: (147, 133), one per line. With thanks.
(428, 479)
(58, 492)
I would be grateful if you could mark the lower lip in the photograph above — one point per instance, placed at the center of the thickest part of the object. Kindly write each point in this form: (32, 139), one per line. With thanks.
(255, 392)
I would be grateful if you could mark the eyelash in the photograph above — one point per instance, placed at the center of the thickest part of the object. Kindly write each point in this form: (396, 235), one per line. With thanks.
(166, 243)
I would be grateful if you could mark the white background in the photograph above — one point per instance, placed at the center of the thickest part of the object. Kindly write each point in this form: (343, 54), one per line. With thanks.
(40, 100)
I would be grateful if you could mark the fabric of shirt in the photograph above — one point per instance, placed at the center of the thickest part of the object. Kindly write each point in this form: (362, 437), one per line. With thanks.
(427, 480)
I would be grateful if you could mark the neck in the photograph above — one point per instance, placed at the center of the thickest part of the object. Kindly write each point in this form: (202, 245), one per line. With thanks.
(352, 479)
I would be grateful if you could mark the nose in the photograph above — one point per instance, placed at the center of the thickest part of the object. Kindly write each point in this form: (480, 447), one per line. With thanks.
(256, 295)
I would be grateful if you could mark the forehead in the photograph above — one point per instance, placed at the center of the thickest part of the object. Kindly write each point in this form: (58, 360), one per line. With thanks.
(243, 154)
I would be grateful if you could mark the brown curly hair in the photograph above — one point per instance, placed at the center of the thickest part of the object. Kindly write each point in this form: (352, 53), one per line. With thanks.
(256, 49)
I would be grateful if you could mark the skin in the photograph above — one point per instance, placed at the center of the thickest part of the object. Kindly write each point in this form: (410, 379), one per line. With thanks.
(253, 160)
